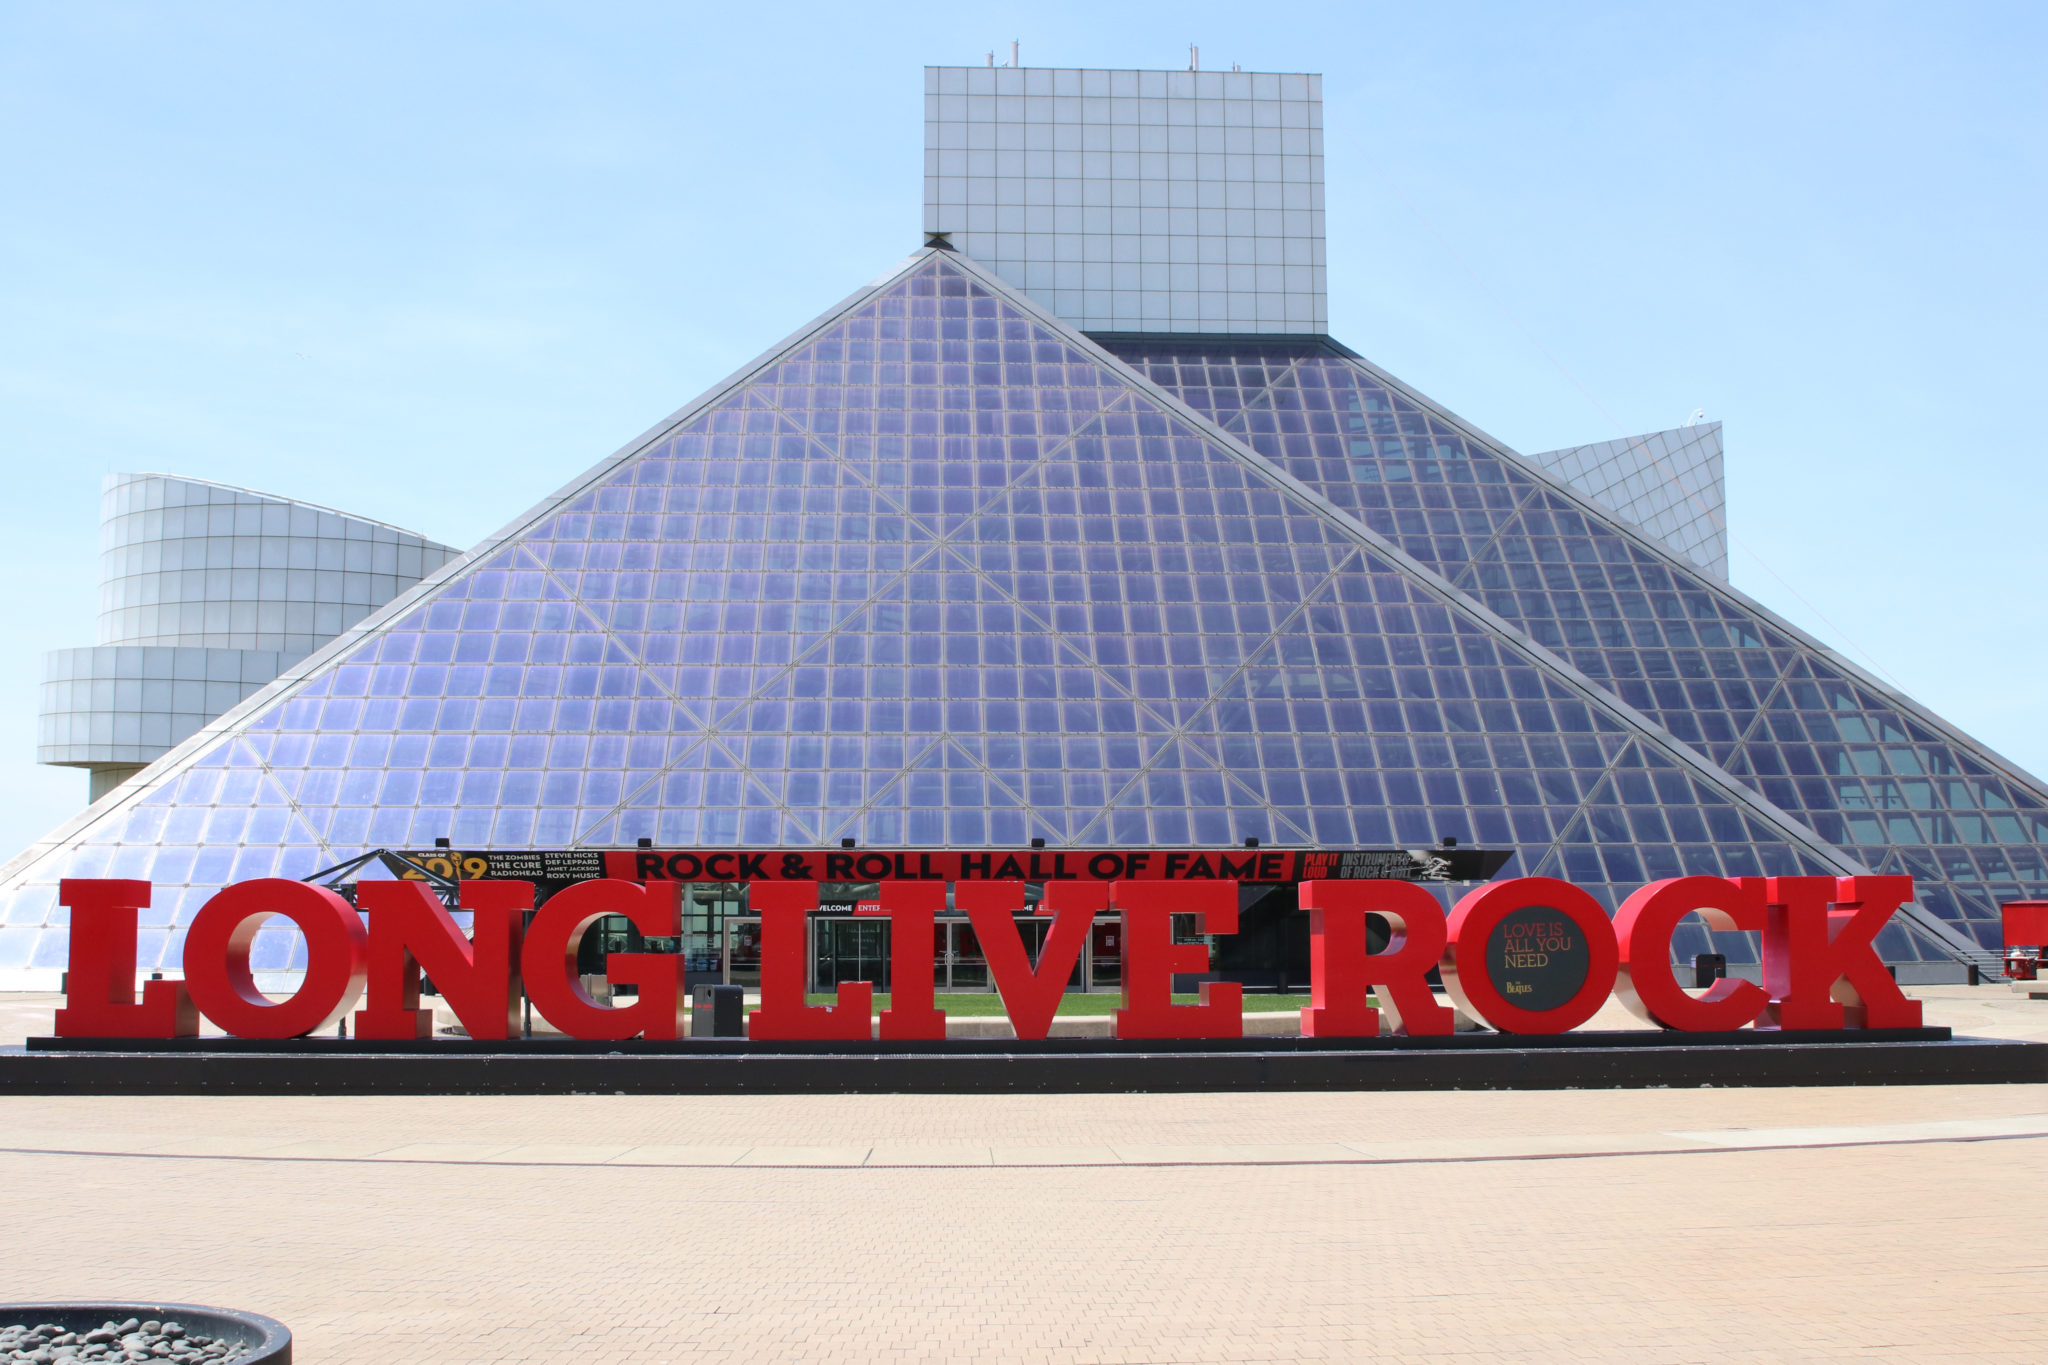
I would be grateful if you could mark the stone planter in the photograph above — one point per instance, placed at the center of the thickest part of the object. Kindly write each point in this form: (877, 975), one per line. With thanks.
(264, 1341)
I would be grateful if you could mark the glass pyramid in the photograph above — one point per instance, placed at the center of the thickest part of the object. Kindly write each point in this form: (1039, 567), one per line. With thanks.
(933, 572)
(1867, 771)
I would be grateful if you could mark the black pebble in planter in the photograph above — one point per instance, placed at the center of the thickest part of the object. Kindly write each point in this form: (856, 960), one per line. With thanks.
(264, 1341)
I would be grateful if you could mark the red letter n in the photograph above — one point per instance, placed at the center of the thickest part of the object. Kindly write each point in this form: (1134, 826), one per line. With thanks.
(478, 977)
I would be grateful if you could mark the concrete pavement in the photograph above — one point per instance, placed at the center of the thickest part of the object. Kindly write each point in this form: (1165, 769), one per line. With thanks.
(1646, 1226)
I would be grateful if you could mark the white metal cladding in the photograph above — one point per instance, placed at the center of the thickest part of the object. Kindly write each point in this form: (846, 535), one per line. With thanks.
(1669, 484)
(207, 592)
(1129, 201)
(117, 704)
(183, 562)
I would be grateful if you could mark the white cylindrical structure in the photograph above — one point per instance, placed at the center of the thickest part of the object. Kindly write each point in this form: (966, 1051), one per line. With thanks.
(207, 592)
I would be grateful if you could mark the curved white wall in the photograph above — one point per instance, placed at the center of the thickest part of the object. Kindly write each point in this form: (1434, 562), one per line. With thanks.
(131, 704)
(207, 592)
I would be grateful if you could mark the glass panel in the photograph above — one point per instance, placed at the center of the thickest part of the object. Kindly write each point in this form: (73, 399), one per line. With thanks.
(705, 910)
(850, 949)
(970, 968)
(743, 952)
(1106, 954)
(1665, 636)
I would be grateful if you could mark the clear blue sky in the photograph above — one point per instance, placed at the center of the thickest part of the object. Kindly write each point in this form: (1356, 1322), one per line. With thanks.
(427, 262)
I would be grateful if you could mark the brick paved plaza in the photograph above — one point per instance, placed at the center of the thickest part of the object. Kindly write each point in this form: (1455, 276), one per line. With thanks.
(1650, 1226)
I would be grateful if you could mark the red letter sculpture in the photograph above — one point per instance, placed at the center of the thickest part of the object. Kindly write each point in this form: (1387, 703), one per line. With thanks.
(217, 958)
(1643, 927)
(912, 908)
(784, 908)
(1342, 972)
(100, 1000)
(1819, 954)
(1151, 958)
(1549, 915)
(1031, 996)
(548, 958)
(478, 976)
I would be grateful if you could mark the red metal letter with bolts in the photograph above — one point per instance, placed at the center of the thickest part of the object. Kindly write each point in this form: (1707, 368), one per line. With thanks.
(1480, 912)
(1031, 996)
(1342, 972)
(1820, 958)
(101, 1002)
(913, 908)
(217, 959)
(1152, 959)
(548, 960)
(1643, 927)
(785, 908)
(410, 931)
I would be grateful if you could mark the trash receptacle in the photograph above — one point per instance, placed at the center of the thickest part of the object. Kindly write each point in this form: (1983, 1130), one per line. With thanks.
(701, 1011)
(728, 1012)
(1707, 968)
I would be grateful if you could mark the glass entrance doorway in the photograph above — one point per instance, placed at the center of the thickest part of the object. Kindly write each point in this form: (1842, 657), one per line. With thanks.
(846, 948)
(966, 965)
(741, 957)
(1106, 954)
(856, 948)
(705, 945)
(850, 949)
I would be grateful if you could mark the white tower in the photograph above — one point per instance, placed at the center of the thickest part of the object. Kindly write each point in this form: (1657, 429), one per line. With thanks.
(1136, 201)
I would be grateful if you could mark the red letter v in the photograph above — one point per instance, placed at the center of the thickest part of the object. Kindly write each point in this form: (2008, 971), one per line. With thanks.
(1032, 997)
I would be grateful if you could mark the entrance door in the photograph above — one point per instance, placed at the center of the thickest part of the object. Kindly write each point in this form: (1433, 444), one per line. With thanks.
(706, 907)
(970, 966)
(852, 949)
(1034, 931)
(742, 951)
(970, 963)
(1106, 955)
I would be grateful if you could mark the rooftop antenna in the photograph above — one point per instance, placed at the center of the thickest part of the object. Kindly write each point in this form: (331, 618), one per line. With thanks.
(1013, 53)
(1194, 58)
(1237, 66)
(1697, 414)
(991, 56)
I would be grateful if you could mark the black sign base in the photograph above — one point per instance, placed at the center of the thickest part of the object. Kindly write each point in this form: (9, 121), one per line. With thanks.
(708, 1066)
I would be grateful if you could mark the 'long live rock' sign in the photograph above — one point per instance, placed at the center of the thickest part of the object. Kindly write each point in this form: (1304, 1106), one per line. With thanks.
(1528, 955)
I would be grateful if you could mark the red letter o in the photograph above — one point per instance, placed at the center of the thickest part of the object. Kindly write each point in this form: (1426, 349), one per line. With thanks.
(217, 958)
(1475, 918)
(1644, 925)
